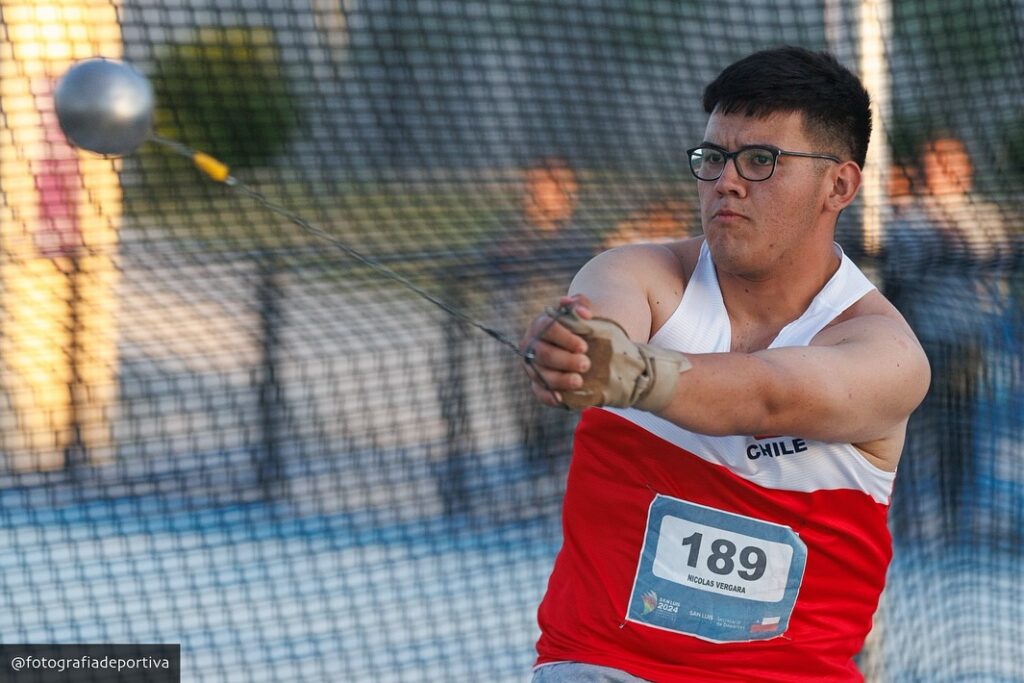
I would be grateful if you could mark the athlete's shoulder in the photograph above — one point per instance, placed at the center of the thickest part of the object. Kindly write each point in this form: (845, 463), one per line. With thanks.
(872, 309)
(650, 262)
(624, 277)
(680, 256)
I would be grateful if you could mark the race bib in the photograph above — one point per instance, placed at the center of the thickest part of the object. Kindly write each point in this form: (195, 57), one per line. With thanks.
(715, 575)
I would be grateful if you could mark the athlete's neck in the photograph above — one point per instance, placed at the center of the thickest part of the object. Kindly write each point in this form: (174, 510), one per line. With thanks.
(760, 306)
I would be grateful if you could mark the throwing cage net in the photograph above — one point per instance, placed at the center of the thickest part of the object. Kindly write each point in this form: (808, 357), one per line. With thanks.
(219, 431)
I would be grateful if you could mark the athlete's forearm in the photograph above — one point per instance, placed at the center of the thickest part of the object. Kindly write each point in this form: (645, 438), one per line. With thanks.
(730, 393)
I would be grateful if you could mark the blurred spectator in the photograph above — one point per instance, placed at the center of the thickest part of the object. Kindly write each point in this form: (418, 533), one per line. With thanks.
(659, 222)
(550, 195)
(943, 245)
(900, 188)
(974, 226)
(534, 261)
(542, 235)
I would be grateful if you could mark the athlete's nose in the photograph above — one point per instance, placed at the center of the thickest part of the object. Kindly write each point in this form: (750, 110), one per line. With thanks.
(730, 182)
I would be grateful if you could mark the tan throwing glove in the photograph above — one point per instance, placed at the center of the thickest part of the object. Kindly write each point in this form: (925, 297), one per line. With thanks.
(622, 373)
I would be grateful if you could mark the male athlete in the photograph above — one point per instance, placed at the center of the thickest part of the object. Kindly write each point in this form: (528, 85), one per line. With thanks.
(725, 510)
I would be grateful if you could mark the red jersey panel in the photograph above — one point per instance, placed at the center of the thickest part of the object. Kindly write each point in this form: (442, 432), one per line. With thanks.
(618, 470)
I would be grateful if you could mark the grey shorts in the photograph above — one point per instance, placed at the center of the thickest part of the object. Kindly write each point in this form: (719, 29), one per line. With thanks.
(576, 672)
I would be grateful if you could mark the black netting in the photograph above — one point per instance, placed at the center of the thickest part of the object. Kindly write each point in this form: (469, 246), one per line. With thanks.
(220, 431)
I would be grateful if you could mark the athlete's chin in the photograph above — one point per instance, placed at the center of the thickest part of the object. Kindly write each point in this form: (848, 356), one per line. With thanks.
(735, 254)
(731, 227)
(729, 240)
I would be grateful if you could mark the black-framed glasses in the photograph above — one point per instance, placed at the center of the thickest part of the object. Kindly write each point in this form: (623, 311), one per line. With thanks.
(753, 162)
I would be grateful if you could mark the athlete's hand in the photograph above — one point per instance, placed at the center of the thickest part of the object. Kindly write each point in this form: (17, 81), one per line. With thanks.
(559, 357)
(579, 360)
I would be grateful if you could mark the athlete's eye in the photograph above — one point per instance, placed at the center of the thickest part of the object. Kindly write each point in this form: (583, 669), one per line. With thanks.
(712, 157)
(760, 157)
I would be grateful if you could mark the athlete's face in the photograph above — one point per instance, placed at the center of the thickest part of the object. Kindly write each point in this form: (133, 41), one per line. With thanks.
(751, 227)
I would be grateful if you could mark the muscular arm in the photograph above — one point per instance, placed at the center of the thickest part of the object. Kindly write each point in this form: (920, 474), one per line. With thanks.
(615, 284)
(856, 382)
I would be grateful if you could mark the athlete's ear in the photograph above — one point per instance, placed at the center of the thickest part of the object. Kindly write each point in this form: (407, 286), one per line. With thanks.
(846, 180)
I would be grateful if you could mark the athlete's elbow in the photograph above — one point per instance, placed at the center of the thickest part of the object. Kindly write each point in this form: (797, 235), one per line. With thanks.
(753, 414)
(772, 407)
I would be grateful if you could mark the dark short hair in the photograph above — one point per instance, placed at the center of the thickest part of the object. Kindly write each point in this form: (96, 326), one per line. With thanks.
(835, 105)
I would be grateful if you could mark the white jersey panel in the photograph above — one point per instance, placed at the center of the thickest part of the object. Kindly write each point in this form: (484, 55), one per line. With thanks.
(700, 324)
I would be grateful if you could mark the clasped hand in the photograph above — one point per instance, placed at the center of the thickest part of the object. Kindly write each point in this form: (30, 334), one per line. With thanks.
(576, 360)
